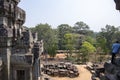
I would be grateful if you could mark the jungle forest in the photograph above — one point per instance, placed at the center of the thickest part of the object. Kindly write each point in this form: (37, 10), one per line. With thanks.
(78, 40)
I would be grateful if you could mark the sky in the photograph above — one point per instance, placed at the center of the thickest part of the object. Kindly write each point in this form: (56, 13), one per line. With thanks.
(95, 13)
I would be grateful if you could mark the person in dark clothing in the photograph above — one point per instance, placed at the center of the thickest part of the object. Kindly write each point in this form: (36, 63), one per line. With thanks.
(115, 50)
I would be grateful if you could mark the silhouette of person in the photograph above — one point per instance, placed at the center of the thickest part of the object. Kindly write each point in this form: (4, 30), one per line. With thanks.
(115, 50)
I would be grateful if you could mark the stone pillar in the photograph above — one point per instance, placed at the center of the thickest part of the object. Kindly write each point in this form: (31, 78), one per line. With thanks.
(36, 69)
(31, 76)
(8, 62)
(6, 59)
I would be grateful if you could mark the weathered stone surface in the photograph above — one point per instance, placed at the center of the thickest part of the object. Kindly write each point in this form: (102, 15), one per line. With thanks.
(1, 64)
(19, 48)
(112, 71)
(118, 75)
(117, 62)
(109, 68)
(61, 69)
(117, 2)
(25, 60)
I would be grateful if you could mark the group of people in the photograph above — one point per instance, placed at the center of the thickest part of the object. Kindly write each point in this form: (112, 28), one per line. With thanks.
(115, 50)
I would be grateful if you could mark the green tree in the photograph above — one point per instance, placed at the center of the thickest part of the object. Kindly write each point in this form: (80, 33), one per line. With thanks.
(47, 34)
(102, 43)
(52, 50)
(69, 42)
(79, 38)
(62, 30)
(90, 39)
(108, 33)
(89, 47)
(85, 50)
(81, 28)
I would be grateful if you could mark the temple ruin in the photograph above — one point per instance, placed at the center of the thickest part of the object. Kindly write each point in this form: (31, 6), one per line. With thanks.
(117, 2)
(19, 48)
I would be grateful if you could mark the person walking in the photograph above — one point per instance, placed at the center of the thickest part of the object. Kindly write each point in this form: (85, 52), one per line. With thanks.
(115, 50)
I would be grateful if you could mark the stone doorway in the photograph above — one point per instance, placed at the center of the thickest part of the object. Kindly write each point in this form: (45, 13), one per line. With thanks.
(20, 74)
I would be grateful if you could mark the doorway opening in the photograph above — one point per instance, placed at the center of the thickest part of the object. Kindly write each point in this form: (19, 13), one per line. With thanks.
(20, 74)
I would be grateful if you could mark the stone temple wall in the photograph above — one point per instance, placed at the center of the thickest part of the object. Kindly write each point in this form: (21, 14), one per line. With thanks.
(117, 2)
(19, 47)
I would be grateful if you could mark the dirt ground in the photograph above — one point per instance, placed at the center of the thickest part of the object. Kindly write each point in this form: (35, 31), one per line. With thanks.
(84, 74)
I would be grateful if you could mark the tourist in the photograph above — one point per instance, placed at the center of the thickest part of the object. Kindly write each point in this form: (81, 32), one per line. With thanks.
(115, 50)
